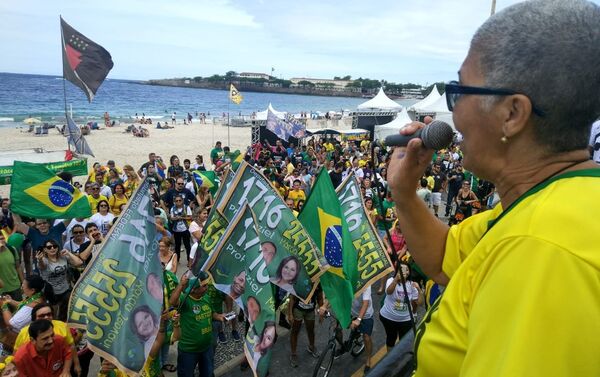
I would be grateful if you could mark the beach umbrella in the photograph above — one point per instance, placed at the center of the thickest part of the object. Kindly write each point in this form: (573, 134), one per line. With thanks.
(31, 121)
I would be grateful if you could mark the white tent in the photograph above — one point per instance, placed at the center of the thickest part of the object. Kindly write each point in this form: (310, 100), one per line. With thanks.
(392, 127)
(380, 102)
(439, 106)
(431, 98)
(262, 115)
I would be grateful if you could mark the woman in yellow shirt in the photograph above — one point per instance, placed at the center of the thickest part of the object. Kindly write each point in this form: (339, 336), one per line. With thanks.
(118, 199)
(132, 181)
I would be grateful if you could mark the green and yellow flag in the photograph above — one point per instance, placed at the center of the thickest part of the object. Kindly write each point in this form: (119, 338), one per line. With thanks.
(206, 179)
(234, 95)
(37, 192)
(323, 219)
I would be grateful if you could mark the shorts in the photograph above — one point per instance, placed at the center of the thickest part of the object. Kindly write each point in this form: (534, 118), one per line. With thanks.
(301, 314)
(366, 326)
(436, 198)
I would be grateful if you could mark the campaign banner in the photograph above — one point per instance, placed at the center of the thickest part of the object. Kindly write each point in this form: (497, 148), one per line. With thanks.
(238, 268)
(373, 260)
(76, 167)
(292, 247)
(214, 227)
(119, 296)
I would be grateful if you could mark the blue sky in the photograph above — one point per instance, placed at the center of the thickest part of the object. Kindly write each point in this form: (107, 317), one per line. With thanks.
(400, 41)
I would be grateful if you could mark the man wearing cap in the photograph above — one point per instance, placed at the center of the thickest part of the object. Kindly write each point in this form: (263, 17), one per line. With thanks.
(196, 316)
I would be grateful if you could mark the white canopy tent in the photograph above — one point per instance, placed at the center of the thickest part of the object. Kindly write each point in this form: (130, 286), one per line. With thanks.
(392, 127)
(380, 102)
(433, 96)
(262, 115)
(439, 106)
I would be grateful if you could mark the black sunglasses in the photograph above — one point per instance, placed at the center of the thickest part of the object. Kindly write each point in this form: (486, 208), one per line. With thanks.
(51, 247)
(454, 91)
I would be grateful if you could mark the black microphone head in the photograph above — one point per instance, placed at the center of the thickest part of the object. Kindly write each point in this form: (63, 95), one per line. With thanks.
(437, 135)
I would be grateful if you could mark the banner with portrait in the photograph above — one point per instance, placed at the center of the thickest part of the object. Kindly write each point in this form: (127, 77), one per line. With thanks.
(295, 265)
(373, 260)
(119, 296)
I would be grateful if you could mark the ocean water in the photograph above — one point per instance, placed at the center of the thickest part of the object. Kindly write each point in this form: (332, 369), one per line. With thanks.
(22, 96)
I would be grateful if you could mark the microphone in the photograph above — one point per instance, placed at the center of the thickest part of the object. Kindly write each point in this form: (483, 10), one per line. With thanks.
(436, 135)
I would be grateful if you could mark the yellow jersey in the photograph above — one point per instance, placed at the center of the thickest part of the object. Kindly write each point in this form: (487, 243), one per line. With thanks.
(60, 328)
(523, 297)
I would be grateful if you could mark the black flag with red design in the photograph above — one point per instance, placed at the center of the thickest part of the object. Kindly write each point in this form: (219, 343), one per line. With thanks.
(85, 63)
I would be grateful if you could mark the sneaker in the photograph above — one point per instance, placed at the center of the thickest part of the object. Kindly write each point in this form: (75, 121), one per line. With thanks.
(294, 361)
(313, 352)
(222, 338)
(236, 336)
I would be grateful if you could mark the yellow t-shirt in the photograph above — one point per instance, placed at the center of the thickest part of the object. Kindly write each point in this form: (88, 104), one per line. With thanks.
(60, 328)
(94, 202)
(523, 300)
(115, 203)
(296, 196)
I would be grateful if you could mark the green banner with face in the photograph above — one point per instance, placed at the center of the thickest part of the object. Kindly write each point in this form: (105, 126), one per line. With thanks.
(373, 261)
(238, 268)
(119, 296)
(292, 260)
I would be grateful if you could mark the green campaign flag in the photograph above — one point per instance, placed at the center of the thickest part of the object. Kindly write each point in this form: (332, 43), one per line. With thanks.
(37, 192)
(76, 166)
(119, 296)
(373, 260)
(206, 179)
(292, 246)
(238, 267)
(323, 219)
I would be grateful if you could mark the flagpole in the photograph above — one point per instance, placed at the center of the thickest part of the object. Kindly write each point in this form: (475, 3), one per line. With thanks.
(62, 40)
(228, 101)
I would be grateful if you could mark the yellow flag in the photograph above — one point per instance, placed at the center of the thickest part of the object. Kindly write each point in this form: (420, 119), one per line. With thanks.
(234, 95)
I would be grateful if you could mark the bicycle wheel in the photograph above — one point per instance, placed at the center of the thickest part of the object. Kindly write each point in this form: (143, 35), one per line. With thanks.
(358, 346)
(325, 361)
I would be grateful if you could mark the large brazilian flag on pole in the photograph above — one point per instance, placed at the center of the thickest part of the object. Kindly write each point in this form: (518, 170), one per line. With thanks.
(37, 192)
(323, 219)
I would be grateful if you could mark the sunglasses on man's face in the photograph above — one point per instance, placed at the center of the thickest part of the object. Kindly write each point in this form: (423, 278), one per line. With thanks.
(78, 232)
(43, 315)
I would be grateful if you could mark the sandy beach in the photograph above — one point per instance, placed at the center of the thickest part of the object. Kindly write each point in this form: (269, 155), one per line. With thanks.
(185, 141)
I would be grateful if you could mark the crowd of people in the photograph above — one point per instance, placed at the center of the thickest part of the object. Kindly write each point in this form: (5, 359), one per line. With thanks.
(43, 259)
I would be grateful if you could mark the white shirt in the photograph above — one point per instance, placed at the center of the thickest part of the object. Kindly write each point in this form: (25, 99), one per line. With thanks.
(394, 306)
(595, 141)
(103, 222)
(357, 304)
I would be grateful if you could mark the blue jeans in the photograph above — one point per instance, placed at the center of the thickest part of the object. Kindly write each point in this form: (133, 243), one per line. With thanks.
(187, 362)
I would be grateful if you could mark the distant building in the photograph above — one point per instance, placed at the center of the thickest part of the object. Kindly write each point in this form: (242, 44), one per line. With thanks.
(334, 84)
(253, 75)
(412, 93)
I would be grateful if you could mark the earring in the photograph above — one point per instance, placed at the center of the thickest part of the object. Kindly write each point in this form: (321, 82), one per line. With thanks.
(504, 139)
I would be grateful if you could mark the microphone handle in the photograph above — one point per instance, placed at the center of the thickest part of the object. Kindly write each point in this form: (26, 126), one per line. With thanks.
(398, 140)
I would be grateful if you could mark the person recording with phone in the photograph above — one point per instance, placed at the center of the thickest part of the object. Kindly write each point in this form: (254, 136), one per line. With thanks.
(522, 285)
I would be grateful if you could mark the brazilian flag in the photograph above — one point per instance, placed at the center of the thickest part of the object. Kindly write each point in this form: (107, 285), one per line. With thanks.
(236, 159)
(37, 192)
(323, 219)
(206, 179)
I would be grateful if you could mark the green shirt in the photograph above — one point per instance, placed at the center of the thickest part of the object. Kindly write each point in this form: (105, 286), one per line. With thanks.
(216, 154)
(388, 208)
(215, 298)
(8, 271)
(196, 324)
